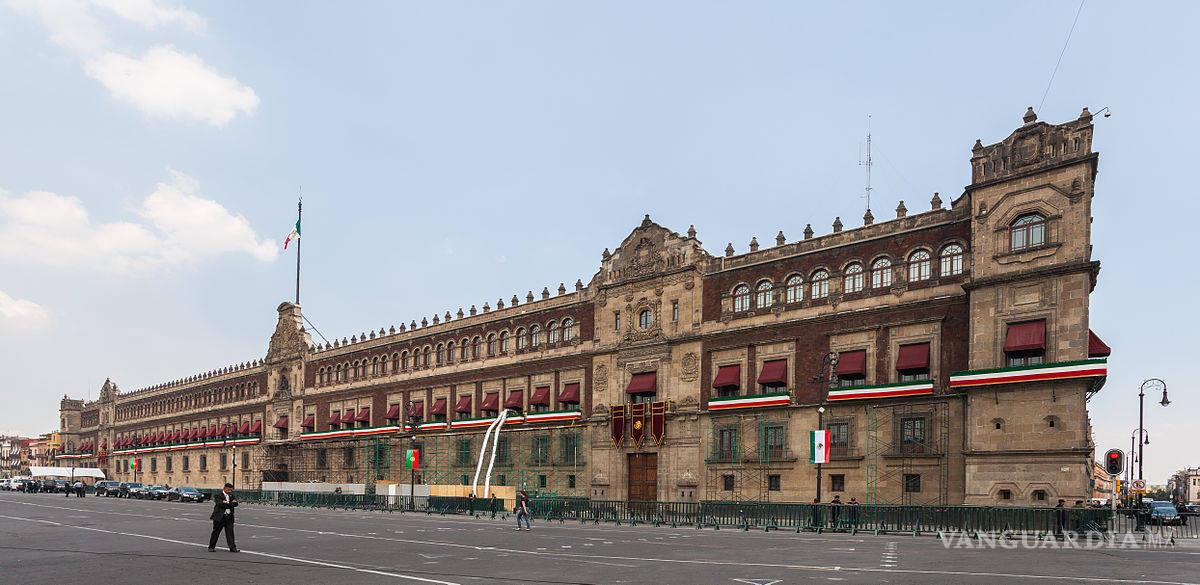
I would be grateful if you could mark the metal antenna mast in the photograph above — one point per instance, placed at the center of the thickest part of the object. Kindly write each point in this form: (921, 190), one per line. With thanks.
(867, 163)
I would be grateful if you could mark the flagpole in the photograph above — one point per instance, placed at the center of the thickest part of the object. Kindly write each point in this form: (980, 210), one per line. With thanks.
(299, 212)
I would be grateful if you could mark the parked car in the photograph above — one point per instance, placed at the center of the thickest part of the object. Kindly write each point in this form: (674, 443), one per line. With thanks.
(49, 486)
(1164, 513)
(108, 488)
(186, 494)
(154, 492)
(62, 486)
(128, 489)
(4, 484)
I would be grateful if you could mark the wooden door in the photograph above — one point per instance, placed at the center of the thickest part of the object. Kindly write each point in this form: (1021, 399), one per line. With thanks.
(643, 477)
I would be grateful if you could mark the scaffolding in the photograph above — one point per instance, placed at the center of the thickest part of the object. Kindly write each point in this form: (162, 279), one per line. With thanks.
(741, 451)
(907, 441)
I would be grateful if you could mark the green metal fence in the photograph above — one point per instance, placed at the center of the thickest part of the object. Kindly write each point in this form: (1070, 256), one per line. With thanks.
(878, 519)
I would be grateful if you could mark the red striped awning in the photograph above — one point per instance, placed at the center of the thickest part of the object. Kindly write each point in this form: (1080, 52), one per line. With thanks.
(245, 428)
(104, 444)
(852, 363)
(1027, 336)
(644, 383)
(516, 399)
(203, 433)
(913, 357)
(439, 407)
(335, 418)
(348, 416)
(540, 396)
(231, 430)
(364, 415)
(310, 421)
(1096, 347)
(417, 410)
(491, 401)
(393, 412)
(774, 373)
(256, 427)
(464, 404)
(728, 377)
(282, 423)
(570, 393)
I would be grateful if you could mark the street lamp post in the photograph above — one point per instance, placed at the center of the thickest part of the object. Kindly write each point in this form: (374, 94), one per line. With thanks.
(412, 443)
(1151, 384)
(828, 368)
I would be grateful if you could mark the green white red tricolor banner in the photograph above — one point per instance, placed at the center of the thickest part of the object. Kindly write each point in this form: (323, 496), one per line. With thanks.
(756, 401)
(819, 446)
(1037, 373)
(882, 391)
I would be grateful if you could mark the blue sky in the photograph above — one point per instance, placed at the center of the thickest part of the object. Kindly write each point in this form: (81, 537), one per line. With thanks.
(456, 153)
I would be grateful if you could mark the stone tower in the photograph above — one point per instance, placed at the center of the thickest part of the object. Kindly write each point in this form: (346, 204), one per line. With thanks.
(1028, 433)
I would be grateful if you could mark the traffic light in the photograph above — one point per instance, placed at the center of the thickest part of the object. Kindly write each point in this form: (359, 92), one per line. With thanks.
(1114, 462)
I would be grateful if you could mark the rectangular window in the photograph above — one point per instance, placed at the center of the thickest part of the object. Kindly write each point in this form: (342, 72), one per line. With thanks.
(503, 456)
(912, 483)
(184, 462)
(773, 483)
(204, 463)
(569, 449)
(839, 439)
(541, 481)
(348, 457)
(675, 311)
(466, 479)
(617, 321)
(462, 452)
(246, 461)
(322, 459)
(571, 481)
(725, 444)
(837, 482)
(540, 452)
(727, 482)
(153, 464)
(168, 464)
(501, 479)
(224, 461)
(773, 440)
(1025, 358)
(912, 434)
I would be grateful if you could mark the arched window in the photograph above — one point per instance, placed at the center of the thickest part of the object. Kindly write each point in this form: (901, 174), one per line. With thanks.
(465, 349)
(794, 289)
(356, 370)
(854, 278)
(492, 344)
(321, 375)
(741, 298)
(404, 360)
(338, 368)
(820, 284)
(554, 332)
(450, 351)
(764, 298)
(522, 341)
(383, 365)
(475, 347)
(441, 354)
(569, 331)
(395, 362)
(881, 273)
(425, 357)
(645, 319)
(952, 260)
(535, 336)
(504, 338)
(1028, 231)
(375, 366)
(918, 266)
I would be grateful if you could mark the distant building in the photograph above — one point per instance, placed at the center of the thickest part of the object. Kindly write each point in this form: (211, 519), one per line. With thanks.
(1102, 482)
(1185, 486)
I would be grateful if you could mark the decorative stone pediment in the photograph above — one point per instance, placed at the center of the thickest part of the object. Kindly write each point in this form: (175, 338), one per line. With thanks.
(650, 250)
(290, 340)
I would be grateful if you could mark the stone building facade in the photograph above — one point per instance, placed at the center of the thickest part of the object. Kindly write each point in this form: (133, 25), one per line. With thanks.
(947, 352)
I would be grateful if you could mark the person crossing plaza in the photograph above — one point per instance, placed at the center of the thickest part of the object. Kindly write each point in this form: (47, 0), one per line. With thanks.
(222, 518)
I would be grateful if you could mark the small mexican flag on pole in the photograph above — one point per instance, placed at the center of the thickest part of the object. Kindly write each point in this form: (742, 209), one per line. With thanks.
(412, 459)
(819, 445)
(292, 235)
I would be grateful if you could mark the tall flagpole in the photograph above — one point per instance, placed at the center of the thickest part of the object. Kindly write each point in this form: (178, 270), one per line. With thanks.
(299, 212)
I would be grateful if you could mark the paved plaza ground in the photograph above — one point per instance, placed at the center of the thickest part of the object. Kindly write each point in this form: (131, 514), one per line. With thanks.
(46, 538)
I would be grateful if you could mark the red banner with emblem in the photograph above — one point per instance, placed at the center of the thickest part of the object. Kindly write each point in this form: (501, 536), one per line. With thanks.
(637, 413)
(618, 425)
(658, 422)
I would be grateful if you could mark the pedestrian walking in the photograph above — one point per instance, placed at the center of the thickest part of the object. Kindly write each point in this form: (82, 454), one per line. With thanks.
(222, 517)
(471, 503)
(523, 509)
(853, 508)
(79, 489)
(1060, 518)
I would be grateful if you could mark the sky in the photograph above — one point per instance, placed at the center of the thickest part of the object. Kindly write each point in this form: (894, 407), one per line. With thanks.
(452, 154)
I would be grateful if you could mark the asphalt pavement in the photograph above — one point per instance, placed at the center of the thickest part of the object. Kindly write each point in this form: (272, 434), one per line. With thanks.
(47, 538)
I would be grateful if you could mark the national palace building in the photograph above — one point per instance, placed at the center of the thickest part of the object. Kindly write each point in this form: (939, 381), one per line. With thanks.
(947, 350)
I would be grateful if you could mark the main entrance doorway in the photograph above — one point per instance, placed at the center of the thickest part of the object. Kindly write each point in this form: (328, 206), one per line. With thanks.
(643, 477)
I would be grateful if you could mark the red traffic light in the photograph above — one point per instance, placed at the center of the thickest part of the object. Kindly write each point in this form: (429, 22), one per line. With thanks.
(1114, 455)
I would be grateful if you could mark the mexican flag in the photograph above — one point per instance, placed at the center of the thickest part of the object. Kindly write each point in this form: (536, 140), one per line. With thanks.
(292, 235)
(412, 459)
(819, 445)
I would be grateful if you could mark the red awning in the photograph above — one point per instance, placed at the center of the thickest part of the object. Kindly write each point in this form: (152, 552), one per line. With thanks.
(541, 396)
(728, 377)
(464, 404)
(417, 410)
(1097, 348)
(852, 363)
(256, 427)
(348, 416)
(335, 418)
(393, 413)
(1026, 336)
(913, 357)
(491, 401)
(570, 393)
(439, 407)
(282, 423)
(516, 399)
(364, 415)
(231, 430)
(104, 444)
(774, 373)
(203, 433)
(310, 421)
(245, 428)
(644, 383)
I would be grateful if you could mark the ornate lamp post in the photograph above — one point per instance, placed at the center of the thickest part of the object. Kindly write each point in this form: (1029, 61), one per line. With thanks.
(828, 372)
(1153, 384)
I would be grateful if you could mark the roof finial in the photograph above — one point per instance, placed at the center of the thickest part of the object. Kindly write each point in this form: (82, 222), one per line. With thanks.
(1029, 116)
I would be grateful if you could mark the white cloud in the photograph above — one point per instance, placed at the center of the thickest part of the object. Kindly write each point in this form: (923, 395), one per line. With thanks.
(165, 82)
(20, 313)
(175, 227)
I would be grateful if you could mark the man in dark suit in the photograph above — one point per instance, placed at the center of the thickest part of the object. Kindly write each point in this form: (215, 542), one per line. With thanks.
(222, 518)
